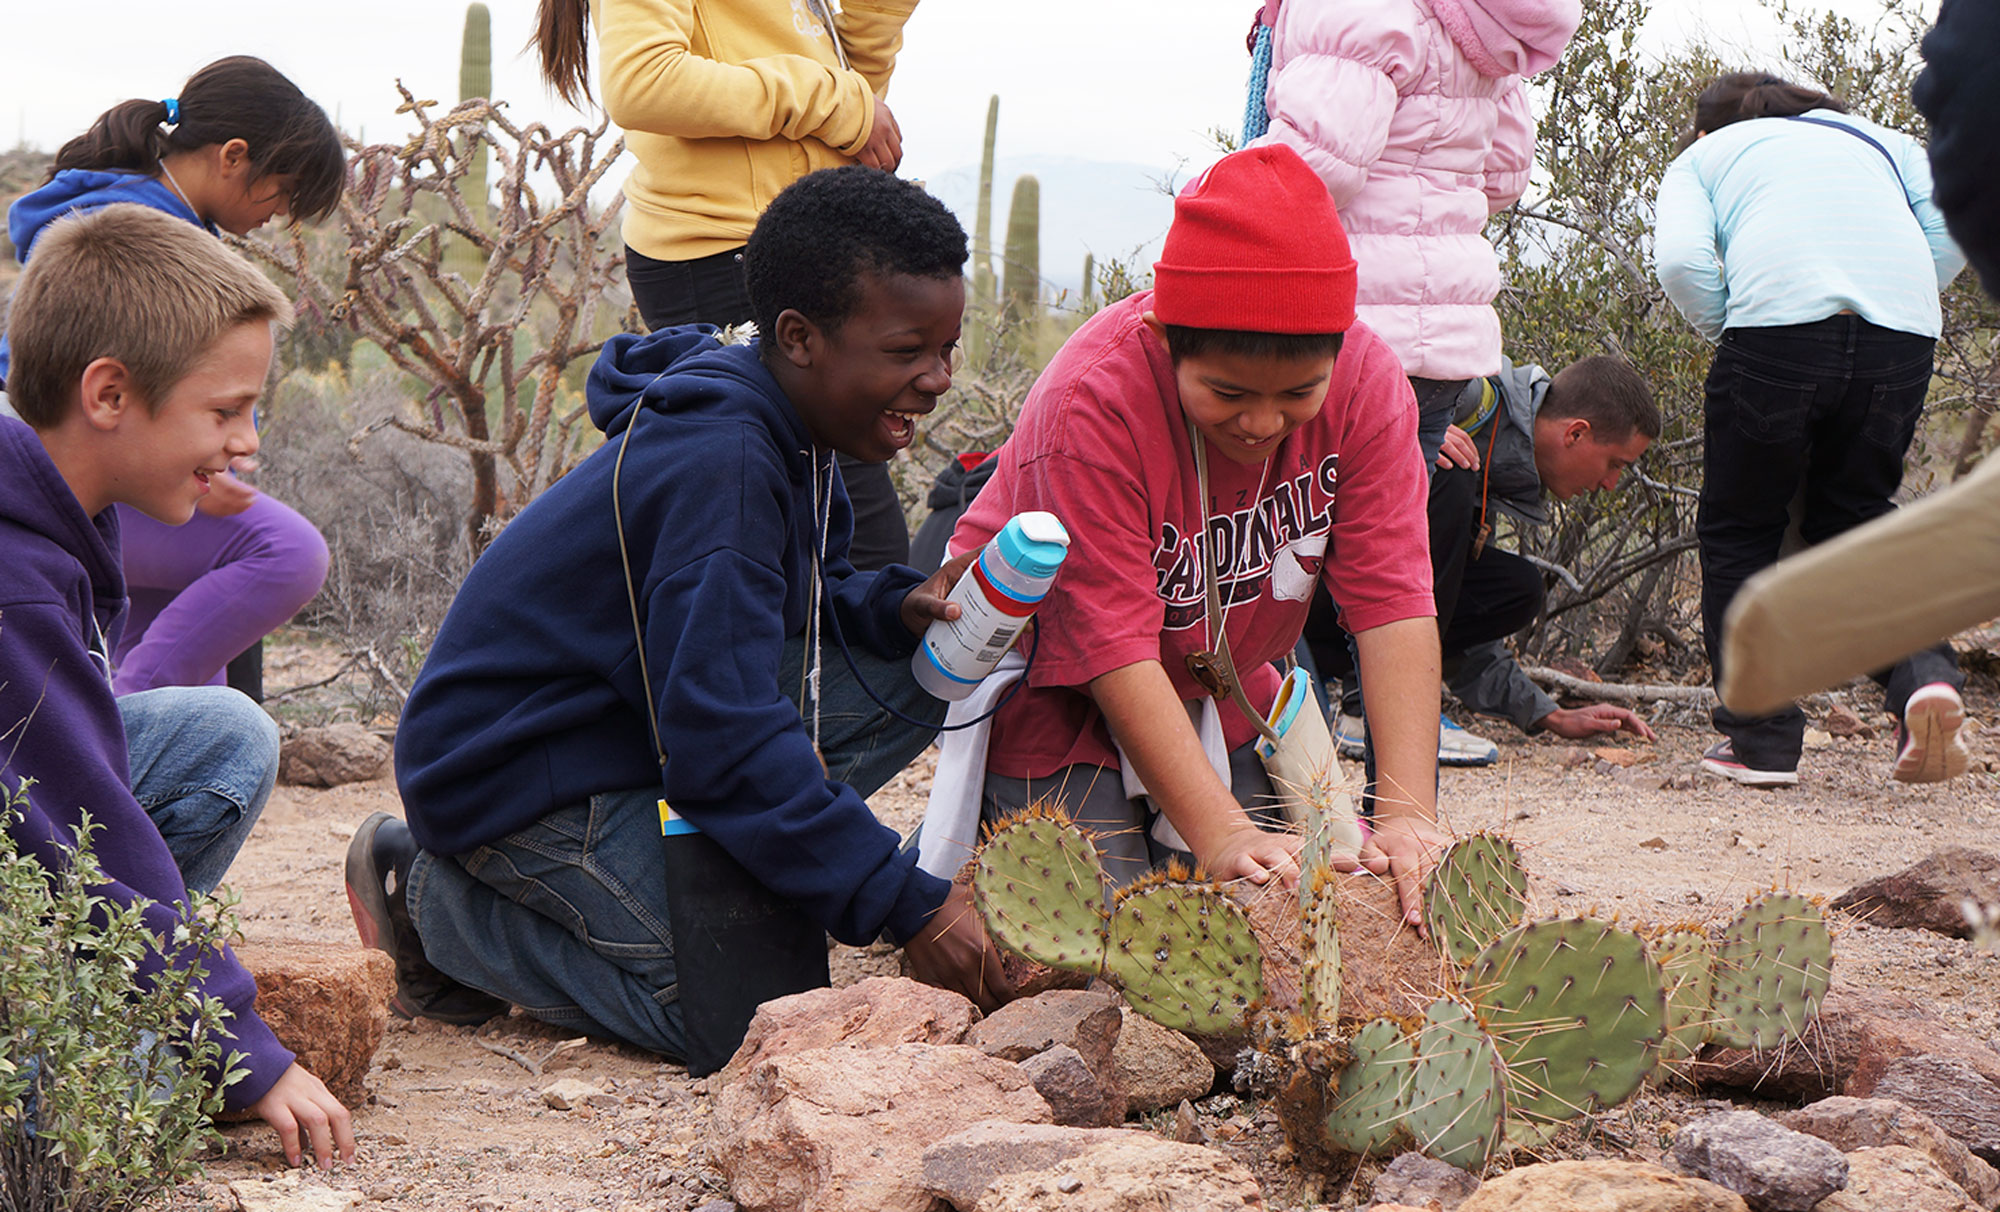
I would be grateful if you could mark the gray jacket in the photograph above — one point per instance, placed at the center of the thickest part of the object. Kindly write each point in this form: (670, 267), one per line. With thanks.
(1487, 679)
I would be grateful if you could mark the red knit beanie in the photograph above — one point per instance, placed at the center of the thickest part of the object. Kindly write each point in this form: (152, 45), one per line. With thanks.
(1256, 246)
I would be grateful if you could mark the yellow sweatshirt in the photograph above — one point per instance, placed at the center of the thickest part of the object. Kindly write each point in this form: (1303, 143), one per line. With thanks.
(726, 102)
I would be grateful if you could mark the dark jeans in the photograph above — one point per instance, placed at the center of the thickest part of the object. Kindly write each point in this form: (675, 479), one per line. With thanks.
(1483, 597)
(568, 918)
(714, 290)
(1821, 413)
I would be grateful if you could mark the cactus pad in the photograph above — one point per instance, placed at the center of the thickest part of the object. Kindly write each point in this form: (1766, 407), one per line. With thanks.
(1367, 1105)
(1477, 892)
(1688, 965)
(1040, 890)
(1458, 1087)
(1319, 967)
(1578, 1009)
(1772, 967)
(1184, 955)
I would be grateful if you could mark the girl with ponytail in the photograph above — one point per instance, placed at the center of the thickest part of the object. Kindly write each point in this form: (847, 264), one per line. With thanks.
(237, 147)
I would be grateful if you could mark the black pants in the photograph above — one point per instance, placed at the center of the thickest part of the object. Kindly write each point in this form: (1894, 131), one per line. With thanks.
(713, 290)
(1481, 597)
(1822, 413)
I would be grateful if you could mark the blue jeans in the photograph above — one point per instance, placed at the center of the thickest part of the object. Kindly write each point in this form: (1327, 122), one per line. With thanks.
(1821, 413)
(568, 918)
(203, 761)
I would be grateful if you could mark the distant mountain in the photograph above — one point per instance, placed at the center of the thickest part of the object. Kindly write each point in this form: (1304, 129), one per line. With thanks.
(1103, 207)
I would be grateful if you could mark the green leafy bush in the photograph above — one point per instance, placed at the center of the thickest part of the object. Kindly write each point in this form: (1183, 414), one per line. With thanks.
(105, 1100)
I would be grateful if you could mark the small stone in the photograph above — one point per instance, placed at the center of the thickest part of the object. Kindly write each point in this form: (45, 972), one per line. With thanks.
(1653, 843)
(1187, 1125)
(1625, 757)
(287, 1194)
(1842, 722)
(570, 1093)
(1816, 739)
(1069, 1184)
(1572, 757)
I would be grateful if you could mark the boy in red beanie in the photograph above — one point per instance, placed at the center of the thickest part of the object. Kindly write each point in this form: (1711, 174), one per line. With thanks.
(1246, 353)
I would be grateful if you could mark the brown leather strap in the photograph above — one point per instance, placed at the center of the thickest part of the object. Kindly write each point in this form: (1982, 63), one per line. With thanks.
(1218, 635)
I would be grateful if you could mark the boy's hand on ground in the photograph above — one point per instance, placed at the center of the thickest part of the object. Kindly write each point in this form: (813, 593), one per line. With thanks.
(884, 149)
(1411, 844)
(1458, 450)
(927, 602)
(305, 1114)
(1250, 853)
(953, 952)
(1579, 723)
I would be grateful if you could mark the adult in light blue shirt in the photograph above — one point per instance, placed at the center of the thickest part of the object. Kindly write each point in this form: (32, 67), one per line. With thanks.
(1804, 241)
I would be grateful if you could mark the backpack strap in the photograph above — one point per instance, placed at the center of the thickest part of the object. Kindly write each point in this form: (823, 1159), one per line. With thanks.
(1862, 135)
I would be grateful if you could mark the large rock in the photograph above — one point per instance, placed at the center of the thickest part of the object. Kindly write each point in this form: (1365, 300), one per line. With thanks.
(1772, 1167)
(874, 1013)
(1157, 1066)
(1129, 1172)
(1849, 1124)
(328, 1002)
(959, 1168)
(1896, 1179)
(1927, 894)
(1087, 1020)
(845, 1129)
(1421, 1181)
(1077, 1094)
(1963, 1101)
(1845, 1050)
(1600, 1186)
(332, 755)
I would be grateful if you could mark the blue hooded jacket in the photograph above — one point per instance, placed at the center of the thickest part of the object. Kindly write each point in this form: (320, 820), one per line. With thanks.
(62, 596)
(82, 189)
(532, 700)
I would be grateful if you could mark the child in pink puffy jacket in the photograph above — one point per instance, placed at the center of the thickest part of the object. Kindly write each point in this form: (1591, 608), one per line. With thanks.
(1413, 113)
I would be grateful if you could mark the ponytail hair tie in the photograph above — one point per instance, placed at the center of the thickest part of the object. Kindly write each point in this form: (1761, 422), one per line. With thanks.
(173, 111)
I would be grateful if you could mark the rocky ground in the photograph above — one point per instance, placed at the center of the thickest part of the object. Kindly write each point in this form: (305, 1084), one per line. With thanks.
(463, 1119)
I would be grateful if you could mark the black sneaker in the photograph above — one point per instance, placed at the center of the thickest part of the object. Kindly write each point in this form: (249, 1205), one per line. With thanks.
(378, 867)
(1721, 760)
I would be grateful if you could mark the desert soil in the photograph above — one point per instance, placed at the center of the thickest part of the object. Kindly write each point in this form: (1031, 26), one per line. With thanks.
(455, 1120)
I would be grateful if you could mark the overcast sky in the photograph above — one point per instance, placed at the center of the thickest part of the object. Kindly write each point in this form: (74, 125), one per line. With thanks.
(1132, 80)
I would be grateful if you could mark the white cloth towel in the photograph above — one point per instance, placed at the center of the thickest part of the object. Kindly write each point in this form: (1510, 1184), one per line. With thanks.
(950, 831)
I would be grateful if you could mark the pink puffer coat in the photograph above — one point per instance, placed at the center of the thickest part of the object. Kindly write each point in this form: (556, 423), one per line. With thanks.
(1413, 114)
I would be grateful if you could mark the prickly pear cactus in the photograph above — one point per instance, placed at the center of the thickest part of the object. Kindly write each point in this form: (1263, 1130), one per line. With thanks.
(1040, 889)
(1367, 1105)
(1773, 963)
(1577, 1008)
(1184, 955)
(1458, 1087)
(1688, 965)
(1477, 892)
(1319, 967)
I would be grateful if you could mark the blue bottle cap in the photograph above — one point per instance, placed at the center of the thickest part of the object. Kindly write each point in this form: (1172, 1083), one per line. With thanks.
(1035, 543)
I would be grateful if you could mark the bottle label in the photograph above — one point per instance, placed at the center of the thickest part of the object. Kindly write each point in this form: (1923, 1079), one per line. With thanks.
(990, 618)
(672, 824)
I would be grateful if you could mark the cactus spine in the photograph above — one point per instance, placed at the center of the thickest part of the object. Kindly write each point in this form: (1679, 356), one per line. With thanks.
(1458, 1087)
(1369, 1101)
(1773, 964)
(1478, 890)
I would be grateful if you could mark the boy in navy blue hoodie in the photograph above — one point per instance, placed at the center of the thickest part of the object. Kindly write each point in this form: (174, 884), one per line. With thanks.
(531, 869)
(140, 348)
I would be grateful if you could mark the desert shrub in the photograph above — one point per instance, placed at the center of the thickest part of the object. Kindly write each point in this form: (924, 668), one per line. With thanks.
(498, 330)
(392, 508)
(105, 1100)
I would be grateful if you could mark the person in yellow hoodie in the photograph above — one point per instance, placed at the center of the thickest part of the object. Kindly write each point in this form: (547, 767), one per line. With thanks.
(724, 103)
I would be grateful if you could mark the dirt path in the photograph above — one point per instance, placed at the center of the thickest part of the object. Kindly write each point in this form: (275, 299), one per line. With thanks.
(453, 1124)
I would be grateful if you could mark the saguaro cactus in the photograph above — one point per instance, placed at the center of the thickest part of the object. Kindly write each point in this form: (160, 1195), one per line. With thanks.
(1021, 277)
(475, 79)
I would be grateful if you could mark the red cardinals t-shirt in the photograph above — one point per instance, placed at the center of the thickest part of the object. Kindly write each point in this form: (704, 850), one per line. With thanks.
(1102, 443)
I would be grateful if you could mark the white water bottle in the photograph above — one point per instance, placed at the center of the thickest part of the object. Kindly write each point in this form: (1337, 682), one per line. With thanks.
(995, 598)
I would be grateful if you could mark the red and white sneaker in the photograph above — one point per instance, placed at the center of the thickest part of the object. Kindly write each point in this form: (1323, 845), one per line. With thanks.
(1721, 760)
(1932, 739)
